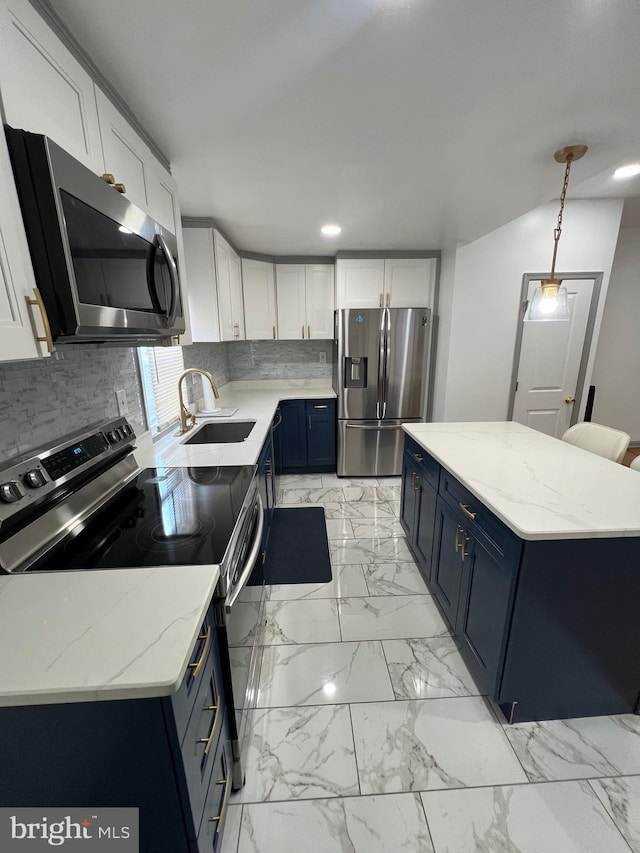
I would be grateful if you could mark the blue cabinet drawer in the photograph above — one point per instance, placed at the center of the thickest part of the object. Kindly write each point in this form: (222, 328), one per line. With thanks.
(182, 701)
(479, 520)
(201, 739)
(215, 810)
(429, 468)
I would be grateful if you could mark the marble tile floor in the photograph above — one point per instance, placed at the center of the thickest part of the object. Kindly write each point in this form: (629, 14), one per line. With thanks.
(369, 735)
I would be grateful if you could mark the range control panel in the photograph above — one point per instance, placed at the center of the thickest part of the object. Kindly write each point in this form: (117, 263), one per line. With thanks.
(31, 479)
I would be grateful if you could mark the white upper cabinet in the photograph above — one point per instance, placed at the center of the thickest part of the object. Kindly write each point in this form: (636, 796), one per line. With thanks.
(44, 88)
(20, 323)
(259, 291)
(229, 281)
(359, 282)
(201, 275)
(389, 282)
(409, 282)
(305, 298)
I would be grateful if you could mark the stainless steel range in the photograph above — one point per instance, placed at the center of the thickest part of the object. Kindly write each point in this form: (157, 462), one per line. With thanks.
(85, 504)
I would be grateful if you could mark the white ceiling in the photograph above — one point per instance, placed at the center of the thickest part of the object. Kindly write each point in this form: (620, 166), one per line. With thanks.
(412, 123)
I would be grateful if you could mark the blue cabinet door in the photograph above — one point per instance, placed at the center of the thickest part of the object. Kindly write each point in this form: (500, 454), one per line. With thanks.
(408, 499)
(485, 607)
(292, 435)
(425, 524)
(446, 575)
(321, 433)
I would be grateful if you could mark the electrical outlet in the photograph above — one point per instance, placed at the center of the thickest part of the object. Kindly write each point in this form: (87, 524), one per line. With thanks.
(323, 358)
(123, 405)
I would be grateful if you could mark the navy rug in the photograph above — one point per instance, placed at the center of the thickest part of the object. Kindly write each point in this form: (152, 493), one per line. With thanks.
(298, 550)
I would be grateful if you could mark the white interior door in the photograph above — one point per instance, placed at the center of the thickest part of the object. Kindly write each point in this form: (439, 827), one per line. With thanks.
(549, 363)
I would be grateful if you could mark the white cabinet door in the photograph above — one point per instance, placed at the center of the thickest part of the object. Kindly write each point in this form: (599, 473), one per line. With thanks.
(229, 280)
(125, 155)
(359, 282)
(259, 292)
(409, 282)
(44, 88)
(17, 319)
(201, 277)
(319, 300)
(290, 290)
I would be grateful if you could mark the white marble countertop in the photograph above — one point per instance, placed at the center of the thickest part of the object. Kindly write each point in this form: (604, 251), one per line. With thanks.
(539, 486)
(257, 402)
(96, 635)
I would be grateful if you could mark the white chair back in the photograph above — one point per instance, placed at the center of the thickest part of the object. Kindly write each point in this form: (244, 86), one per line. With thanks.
(599, 439)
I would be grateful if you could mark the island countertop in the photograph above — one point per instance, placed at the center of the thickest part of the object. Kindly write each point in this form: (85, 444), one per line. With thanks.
(539, 486)
(82, 636)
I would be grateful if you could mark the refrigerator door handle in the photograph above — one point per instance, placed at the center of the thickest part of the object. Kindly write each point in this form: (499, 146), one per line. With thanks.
(374, 426)
(382, 363)
(387, 335)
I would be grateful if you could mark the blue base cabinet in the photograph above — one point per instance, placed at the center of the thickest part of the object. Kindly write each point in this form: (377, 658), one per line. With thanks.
(170, 757)
(542, 625)
(305, 440)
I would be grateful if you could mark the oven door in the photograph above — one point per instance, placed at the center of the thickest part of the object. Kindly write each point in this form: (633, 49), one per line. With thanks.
(241, 617)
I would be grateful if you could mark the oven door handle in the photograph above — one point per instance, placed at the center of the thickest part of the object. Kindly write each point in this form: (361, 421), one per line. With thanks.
(253, 553)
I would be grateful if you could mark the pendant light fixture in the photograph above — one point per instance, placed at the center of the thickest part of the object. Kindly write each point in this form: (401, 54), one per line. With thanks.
(550, 299)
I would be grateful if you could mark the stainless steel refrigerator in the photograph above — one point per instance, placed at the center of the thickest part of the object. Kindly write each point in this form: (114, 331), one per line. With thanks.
(380, 377)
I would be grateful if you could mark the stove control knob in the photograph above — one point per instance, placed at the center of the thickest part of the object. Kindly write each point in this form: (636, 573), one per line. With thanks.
(113, 436)
(10, 493)
(126, 429)
(35, 479)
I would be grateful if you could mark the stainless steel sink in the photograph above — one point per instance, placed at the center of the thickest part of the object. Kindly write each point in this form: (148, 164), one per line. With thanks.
(225, 433)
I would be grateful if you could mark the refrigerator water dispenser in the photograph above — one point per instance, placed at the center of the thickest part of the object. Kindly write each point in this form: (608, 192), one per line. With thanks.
(355, 372)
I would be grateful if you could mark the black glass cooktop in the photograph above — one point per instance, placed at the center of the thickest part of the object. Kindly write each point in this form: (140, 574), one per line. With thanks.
(165, 517)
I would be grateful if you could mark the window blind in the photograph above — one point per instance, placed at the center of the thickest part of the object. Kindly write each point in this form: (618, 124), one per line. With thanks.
(161, 367)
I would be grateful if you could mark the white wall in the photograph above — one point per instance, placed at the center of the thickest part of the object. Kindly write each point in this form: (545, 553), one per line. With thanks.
(616, 372)
(445, 302)
(486, 297)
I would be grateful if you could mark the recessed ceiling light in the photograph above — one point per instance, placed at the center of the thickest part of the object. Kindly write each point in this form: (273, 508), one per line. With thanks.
(331, 230)
(627, 171)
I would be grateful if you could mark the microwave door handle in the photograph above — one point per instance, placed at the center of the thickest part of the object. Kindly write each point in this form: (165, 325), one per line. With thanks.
(174, 279)
(151, 279)
(253, 553)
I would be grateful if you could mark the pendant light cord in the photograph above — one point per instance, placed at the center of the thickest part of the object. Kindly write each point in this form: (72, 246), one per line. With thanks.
(558, 229)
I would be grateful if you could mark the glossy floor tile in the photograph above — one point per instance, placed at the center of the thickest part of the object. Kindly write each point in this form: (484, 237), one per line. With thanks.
(360, 509)
(367, 528)
(332, 481)
(390, 824)
(621, 798)
(347, 581)
(339, 528)
(394, 579)
(301, 622)
(427, 669)
(562, 817)
(299, 753)
(387, 617)
(426, 744)
(392, 549)
(320, 495)
(323, 674)
(231, 829)
(577, 749)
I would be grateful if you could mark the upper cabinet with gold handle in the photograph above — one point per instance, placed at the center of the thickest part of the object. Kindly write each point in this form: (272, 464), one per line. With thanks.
(108, 178)
(47, 338)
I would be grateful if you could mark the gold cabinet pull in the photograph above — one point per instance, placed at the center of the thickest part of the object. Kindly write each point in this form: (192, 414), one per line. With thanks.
(417, 457)
(219, 819)
(197, 667)
(120, 187)
(459, 530)
(381, 300)
(388, 299)
(309, 331)
(325, 406)
(569, 400)
(466, 509)
(465, 539)
(303, 332)
(416, 482)
(48, 339)
(274, 333)
(214, 728)
(108, 178)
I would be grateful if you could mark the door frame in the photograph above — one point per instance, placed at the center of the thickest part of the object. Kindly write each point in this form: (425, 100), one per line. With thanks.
(527, 278)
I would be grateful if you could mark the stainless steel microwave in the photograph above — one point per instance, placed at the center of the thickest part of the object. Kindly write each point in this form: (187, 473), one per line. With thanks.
(106, 272)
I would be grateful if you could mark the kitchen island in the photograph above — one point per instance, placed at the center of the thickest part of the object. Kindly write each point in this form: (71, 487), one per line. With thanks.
(531, 547)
